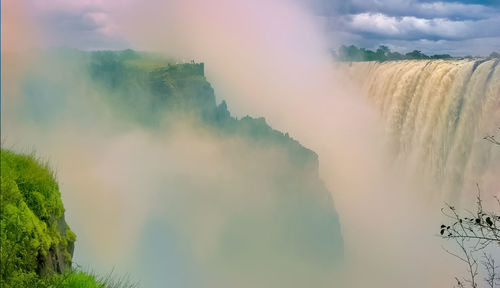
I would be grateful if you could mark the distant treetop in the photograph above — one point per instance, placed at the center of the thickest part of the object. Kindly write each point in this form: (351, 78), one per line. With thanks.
(383, 53)
(494, 55)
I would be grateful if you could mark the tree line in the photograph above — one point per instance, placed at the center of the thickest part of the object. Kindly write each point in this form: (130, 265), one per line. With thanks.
(383, 53)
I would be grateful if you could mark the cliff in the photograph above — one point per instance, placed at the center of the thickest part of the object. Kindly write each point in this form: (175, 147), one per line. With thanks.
(259, 186)
(36, 240)
(301, 227)
(148, 92)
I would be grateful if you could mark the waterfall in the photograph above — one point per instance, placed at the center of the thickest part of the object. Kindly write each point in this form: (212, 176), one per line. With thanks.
(436, 115)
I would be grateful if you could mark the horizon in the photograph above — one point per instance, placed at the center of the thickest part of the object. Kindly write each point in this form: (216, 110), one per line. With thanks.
(458, 28)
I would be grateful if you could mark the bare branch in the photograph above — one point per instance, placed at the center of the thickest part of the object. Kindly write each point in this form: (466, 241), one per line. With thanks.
(473, 234)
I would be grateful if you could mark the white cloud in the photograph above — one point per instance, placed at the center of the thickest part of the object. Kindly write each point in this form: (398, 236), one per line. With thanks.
(83, 24)
(90, 24)
(370, 23)
(411, 27)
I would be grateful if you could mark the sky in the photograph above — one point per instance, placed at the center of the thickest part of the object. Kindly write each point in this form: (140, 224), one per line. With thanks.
(458, 28)
(436, 27)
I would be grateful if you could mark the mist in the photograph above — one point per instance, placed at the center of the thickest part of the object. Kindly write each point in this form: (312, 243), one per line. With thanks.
(265, 58)
(178, 203)
(271, 58)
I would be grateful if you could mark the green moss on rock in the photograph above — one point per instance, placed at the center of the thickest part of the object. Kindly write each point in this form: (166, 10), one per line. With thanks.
(35, 239)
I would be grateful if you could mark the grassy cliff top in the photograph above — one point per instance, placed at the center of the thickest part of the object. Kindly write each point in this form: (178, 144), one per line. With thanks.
(35, 239)
(145, 87)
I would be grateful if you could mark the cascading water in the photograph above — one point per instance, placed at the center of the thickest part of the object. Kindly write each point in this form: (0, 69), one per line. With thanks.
(437, 114)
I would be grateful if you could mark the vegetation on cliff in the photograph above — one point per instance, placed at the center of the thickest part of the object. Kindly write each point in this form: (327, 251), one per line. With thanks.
(146, 88)
(142, 91)
(36, 242)
(35, 238)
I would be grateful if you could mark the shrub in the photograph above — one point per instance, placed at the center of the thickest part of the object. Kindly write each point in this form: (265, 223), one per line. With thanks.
(30, 208)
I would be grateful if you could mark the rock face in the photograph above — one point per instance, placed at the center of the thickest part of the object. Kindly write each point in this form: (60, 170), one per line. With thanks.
(282, 218)
(59, 256)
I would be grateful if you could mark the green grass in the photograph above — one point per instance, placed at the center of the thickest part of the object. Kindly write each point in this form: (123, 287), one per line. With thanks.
(82, 279)
(71, 279)
(30, 207)
(75, 279)
(148, 64)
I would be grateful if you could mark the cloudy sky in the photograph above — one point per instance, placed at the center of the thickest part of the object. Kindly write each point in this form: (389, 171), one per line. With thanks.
(456, 27)
(461, 27)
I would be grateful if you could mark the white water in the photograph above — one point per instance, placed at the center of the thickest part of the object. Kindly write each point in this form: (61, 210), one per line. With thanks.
(436, 116)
